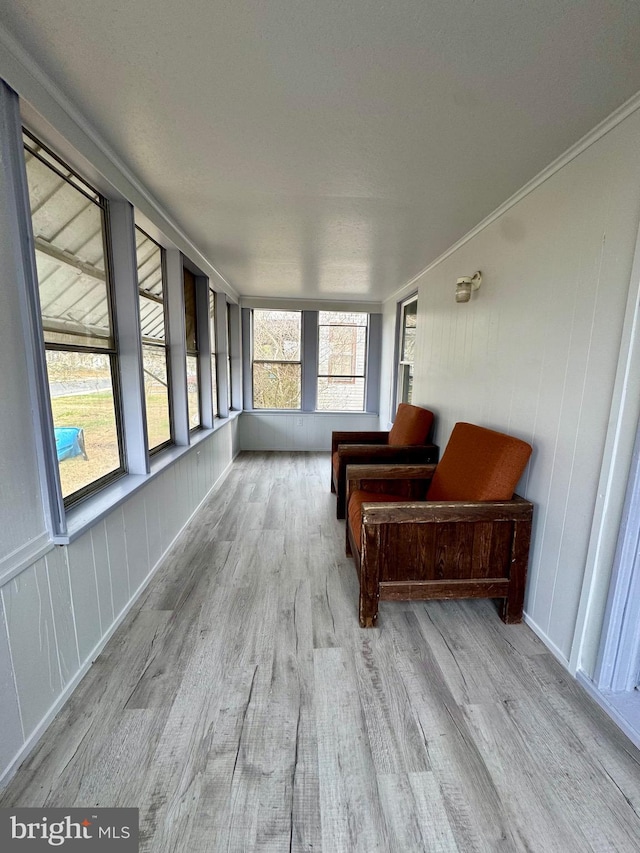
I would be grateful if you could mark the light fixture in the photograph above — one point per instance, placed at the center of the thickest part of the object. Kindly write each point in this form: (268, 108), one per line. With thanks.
(466, 285)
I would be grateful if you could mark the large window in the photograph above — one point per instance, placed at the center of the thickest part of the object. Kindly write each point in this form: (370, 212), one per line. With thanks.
(406, 349)
(154, 341)
(277, 369)
(342, 357)
(191, 329)
(69, 230)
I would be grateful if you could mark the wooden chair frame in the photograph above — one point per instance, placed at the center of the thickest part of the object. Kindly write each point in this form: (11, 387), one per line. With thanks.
(430, 549)
(370, 447)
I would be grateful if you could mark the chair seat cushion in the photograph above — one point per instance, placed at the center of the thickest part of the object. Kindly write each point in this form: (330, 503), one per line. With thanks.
(355, 509)
(335, 461)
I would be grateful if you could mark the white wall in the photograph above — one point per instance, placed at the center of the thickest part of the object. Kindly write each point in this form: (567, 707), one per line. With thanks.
(298, 431)
(535, 352)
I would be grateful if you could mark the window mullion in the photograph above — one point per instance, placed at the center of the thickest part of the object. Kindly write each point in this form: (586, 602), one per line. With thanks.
(309, 360)
(204, 351)
(127, 310)
(177, 346)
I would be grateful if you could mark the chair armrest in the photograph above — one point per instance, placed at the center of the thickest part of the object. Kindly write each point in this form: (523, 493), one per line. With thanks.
(353, 437)
(383, 477)
(391, 472)
(434, 512)
(371, 453)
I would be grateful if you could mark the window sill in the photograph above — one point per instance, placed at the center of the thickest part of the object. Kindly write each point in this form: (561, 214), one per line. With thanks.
(300, 413)
(95, 508)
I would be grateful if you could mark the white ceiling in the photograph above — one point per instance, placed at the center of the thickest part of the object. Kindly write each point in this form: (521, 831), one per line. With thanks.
(333, 149)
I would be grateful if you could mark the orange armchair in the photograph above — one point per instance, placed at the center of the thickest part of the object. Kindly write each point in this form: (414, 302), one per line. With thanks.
(469, 538)
(407, 441)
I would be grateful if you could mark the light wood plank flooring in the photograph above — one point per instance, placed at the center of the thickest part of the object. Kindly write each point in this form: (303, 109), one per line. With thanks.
(241, 708)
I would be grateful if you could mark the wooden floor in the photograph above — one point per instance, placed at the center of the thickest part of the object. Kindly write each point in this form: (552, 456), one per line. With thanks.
(241, 708)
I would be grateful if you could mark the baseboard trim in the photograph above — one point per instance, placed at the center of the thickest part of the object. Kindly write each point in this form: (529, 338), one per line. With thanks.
(588, 685)
(555, 651)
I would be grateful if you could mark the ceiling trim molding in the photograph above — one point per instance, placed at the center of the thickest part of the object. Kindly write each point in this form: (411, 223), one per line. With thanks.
(45, 98)
(283, 303)
(594, 135)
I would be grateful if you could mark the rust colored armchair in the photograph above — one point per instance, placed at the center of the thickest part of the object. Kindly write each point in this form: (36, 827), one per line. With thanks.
(407, 441)
(455, 530)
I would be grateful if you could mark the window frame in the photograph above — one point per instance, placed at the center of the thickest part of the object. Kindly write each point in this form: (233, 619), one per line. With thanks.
(351, 377)
(299, 361)
(59, 166)
(193, 353)
(213, 351)
(158, 448)
(403, 367)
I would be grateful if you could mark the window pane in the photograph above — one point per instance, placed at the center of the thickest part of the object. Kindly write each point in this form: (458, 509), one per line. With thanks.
(151, 320)
(340, 394)
(82, 402)
(149, 262)
(156, 394)
(193, 395)
(190, 311)
(342, 350)
(343, 318)
(276, 335)
(70, 258)
(409, 332)
(150, 287)
(407, 351)
(276, 386)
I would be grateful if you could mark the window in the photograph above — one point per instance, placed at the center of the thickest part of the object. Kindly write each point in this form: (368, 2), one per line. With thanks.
(214, 347)
(277, 367)
(229, 355)
(342, 356)
(191, 330)
(406, 349)
(69, 229)
(149, 257)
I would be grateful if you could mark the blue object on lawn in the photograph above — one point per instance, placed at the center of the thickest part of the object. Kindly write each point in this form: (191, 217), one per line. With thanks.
(69, 442)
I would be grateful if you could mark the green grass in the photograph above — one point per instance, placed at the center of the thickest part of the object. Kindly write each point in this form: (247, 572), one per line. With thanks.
(95, 414)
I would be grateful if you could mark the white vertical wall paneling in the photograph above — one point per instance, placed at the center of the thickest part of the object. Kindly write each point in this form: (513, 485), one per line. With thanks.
(135, 532)
(535, 351)
(103, 575)
(84, 592)
(298, 431)
(36, 667)
(65, 631)
(11, 734)
(118, 566)
(152, 512)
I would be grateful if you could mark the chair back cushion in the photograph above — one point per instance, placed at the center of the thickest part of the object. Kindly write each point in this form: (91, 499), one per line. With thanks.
(479, 464)
(411, 426)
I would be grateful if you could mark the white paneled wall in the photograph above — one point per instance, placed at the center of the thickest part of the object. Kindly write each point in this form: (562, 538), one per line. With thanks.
(298, 431)
(60, 610)
(535, 352)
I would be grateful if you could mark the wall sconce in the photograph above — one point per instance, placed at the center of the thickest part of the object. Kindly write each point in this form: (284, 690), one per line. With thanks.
(466, 285)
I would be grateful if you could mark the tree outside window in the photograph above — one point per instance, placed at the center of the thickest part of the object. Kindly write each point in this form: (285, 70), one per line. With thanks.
(277, 369)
